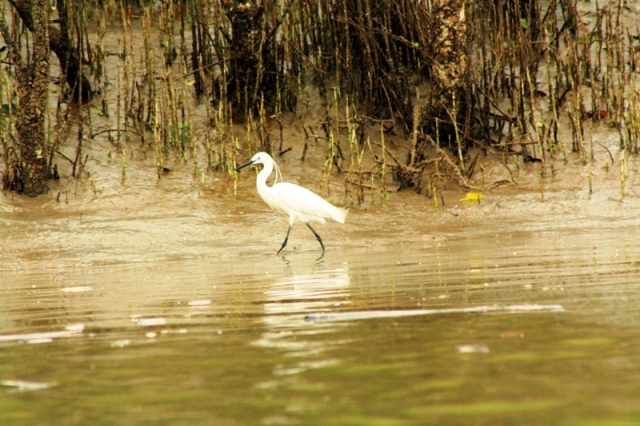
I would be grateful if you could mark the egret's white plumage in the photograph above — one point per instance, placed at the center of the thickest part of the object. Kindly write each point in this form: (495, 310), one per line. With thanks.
(298, 203)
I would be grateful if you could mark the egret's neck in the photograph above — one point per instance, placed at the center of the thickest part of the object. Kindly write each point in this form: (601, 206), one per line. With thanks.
(261, 180)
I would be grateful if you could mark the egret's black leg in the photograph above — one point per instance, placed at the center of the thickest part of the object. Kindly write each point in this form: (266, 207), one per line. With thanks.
(284, 243)
(317, 236)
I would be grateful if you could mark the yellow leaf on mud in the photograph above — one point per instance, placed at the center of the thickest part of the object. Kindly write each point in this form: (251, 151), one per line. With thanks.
(473, 196)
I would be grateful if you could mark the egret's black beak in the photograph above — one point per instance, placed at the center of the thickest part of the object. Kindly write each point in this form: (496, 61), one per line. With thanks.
(248, 163)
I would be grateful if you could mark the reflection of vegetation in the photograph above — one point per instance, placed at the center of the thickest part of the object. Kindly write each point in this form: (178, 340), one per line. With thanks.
(407, 92)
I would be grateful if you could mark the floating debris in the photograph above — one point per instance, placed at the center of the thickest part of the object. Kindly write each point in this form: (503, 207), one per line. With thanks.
(202, 302)
(69, 331)
(146, 322)
(512, 334)
(473, 349)
(352, 316)
(121, 343)
(78, 289)
(178, 331)
(39, 341)
(23, 385)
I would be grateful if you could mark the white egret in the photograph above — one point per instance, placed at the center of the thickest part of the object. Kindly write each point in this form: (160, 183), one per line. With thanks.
(299, 203)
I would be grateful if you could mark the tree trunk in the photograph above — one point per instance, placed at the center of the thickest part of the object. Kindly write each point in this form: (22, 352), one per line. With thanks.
(30, 173)
(245, 50)
(61, 45)
(451, 47)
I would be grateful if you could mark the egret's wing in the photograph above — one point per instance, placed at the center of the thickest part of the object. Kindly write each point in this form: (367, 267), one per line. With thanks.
(299, 199)
(306, 205)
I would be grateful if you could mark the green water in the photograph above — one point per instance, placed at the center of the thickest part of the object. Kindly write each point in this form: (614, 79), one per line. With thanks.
(256, 339)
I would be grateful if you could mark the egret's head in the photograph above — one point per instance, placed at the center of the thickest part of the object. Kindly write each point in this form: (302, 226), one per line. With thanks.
(259, 158)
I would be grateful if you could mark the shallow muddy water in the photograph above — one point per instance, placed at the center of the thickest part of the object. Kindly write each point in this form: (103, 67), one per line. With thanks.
(161, 302)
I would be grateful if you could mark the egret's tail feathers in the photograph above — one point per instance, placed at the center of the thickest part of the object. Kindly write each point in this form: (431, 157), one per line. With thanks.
(339, 214)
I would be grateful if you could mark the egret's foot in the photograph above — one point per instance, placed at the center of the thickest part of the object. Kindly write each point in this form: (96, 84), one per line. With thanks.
(318, 238)
(284, 243)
